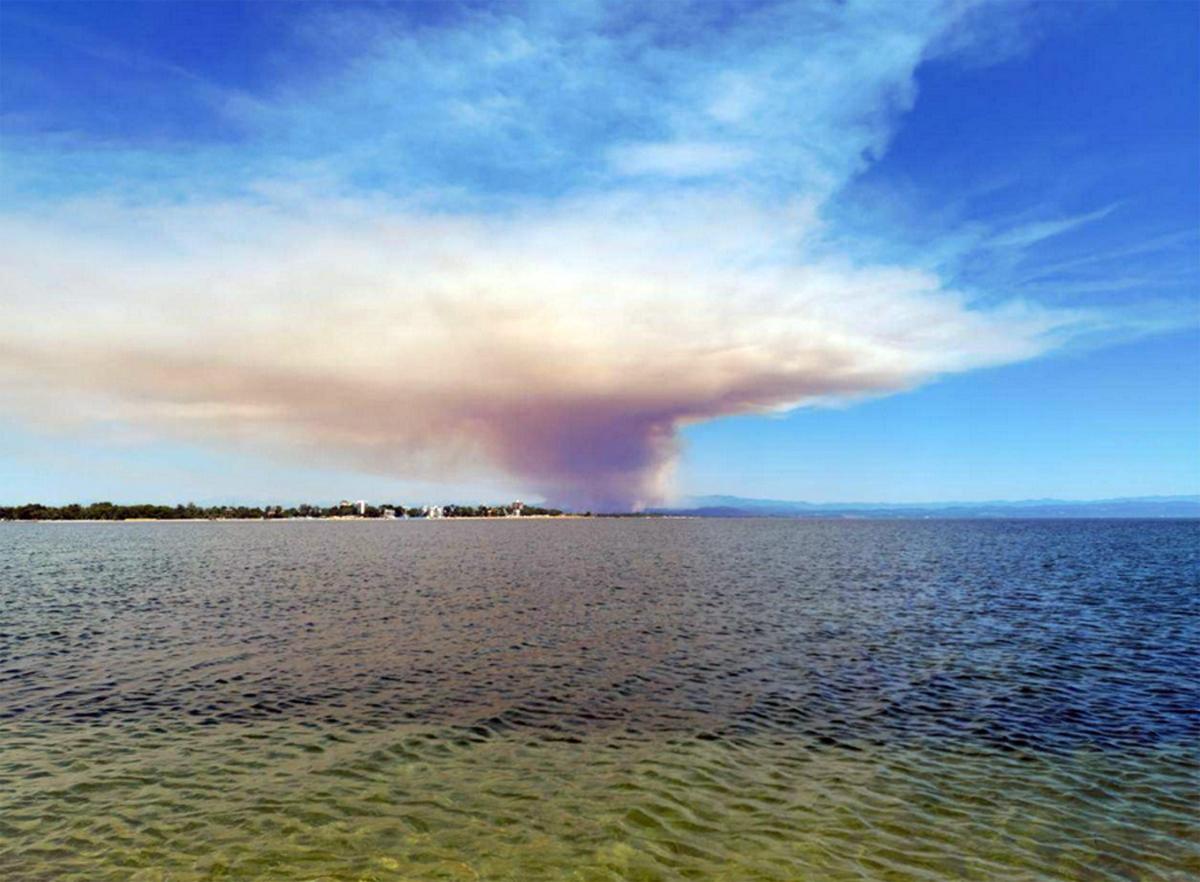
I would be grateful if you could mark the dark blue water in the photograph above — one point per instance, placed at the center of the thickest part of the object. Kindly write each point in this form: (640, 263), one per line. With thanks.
(1018, 633)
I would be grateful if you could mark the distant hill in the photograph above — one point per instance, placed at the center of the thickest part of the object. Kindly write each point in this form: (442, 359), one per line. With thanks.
(1132, 507)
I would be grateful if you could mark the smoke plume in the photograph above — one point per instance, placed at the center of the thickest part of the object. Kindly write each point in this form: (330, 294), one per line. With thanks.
(563, 346)
(533, 242)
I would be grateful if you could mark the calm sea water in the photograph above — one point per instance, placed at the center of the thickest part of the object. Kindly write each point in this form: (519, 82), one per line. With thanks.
(600, 700)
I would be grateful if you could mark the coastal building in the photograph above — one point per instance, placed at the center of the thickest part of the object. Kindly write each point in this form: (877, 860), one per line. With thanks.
(360, 506)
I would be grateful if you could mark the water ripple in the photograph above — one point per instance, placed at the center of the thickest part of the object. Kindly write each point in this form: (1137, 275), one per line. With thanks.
(599, 700)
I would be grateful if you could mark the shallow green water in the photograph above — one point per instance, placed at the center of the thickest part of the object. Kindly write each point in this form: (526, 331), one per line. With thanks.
(600, 700)
(288, 801)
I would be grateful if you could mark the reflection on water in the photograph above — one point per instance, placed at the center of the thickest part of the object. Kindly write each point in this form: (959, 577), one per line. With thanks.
(599, 700)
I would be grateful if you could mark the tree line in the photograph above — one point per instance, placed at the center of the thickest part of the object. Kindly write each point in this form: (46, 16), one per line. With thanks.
(108, 511)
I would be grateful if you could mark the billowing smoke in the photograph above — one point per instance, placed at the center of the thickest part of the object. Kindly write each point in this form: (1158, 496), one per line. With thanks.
(561, 344)
(533, 243)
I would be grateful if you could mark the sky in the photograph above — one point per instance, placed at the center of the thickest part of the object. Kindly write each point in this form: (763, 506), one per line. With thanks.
(606, 255)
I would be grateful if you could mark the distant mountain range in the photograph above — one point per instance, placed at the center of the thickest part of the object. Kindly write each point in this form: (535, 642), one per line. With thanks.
(1132, 507)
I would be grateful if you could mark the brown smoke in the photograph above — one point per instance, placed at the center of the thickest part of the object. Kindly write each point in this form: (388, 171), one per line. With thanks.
(565, 351)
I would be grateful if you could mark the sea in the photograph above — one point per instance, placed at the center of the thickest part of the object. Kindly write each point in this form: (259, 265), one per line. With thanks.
(600, 699)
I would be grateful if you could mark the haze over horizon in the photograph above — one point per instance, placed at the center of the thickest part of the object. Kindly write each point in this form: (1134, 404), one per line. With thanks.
(604, 256)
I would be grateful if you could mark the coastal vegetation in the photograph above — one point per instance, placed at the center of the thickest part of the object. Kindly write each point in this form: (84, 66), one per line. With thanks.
(108, 511)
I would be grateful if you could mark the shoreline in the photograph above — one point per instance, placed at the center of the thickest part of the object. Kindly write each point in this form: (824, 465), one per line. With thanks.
(562, 517)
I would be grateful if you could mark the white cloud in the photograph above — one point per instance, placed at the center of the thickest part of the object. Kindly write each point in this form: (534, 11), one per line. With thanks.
(679, 159)
(1031, 233)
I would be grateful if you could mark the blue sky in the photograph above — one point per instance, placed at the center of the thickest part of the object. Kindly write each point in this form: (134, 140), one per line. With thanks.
(602, 255)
